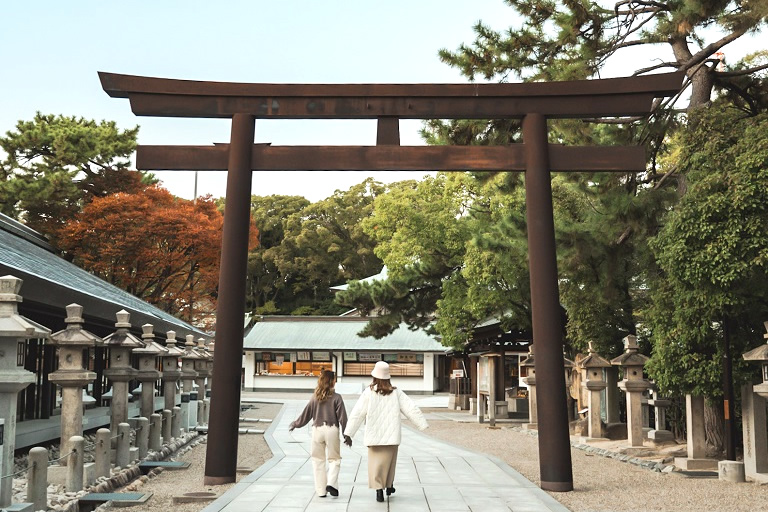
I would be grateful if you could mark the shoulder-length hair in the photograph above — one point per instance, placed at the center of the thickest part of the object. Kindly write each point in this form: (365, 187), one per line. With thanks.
(382, 386)
(325, 385)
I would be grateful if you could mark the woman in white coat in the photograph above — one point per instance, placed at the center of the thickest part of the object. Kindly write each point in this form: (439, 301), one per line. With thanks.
(379, 407)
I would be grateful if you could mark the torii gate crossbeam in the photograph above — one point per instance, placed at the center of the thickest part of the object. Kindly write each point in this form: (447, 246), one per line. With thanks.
(534, 103)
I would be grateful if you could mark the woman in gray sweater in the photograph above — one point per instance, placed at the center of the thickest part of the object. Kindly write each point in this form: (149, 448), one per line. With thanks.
(326, 408)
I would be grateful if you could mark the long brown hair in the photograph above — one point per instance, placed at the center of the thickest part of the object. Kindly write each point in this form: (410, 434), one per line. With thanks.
(382, 386)
(325, 384)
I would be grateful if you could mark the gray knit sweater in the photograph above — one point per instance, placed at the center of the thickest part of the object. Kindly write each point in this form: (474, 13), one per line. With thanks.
(330, 411)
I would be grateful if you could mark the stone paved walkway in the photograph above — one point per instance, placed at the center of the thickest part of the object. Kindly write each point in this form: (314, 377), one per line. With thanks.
(431, 475)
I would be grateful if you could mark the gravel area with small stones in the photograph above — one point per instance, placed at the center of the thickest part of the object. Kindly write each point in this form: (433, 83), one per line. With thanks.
(603, 481)
(252, 452)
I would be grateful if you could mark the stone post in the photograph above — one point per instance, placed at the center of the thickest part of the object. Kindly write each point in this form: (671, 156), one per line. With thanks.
(37, 478)
(695, 438)
(14, 329)
(148, 373)
(120, 344)
(123, 452)
(530, 380)
(633, 384)
(207, 401)
(72, 374)
(167, 426)
(592, 367)
(75, 464)
(155, 432)
(101, 452)
(142, 436)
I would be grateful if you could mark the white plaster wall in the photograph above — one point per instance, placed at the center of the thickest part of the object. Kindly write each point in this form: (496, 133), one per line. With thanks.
(249, 364)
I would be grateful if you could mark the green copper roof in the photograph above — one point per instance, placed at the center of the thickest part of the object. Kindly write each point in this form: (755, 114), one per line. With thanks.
(333, 333)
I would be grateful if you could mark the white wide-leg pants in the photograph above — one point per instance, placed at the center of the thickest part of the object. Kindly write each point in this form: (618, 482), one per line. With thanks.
(326, 446)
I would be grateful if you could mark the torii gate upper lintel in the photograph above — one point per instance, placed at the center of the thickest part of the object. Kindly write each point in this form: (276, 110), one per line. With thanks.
(534, 103)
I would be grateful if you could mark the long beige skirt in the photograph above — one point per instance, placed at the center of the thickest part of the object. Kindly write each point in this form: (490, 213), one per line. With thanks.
(381, 466)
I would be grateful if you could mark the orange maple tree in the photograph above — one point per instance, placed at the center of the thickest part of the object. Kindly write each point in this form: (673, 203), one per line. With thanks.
(156, 246)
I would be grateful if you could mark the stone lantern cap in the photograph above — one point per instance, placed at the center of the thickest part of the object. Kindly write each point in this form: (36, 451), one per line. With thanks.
(74, 334)
(631, 356)
(759, 354)
(151, 347)
(593, 359)
(529, 361)
(190, 349)
(170, 345)
(122, 337)
(13, 325)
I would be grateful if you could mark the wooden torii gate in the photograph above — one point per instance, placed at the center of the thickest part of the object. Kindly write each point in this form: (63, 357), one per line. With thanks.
(534, 103)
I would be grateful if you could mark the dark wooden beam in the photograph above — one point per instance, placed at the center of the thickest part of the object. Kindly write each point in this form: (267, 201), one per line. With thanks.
(584, 98)
(386, 158)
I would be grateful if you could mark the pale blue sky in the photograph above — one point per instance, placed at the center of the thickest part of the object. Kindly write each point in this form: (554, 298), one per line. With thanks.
(53, 49)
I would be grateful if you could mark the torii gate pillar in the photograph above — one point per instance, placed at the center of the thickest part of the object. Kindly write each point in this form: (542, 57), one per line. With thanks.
(555, 454)
(221, 457)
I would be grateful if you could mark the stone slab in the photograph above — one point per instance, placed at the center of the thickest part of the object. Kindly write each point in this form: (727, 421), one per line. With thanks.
(688, 464)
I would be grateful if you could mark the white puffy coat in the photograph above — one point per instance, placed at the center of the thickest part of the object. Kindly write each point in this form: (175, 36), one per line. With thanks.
(381, 415)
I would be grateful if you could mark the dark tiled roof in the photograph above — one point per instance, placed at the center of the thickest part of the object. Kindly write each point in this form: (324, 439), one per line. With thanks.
(51, 282)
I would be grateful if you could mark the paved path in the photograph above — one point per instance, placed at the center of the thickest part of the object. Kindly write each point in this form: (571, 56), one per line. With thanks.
(431, 475)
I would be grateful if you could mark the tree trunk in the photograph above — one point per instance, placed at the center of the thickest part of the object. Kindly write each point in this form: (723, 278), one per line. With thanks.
(714, 427)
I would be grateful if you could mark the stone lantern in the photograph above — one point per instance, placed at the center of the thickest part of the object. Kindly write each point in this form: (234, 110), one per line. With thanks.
(188, 358)
(171, 372)
(188, 375)
(633, 384)
(753, 400)
(14, 329)
(759, 355)
(592, 380)
(528, 376)
(201, 367)
(209, 383)
(72, 374)
(148, 373)
(120, 344)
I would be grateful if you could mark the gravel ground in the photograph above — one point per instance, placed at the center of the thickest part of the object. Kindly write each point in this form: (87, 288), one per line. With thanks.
(604, 484)
(252, 453)
(601, 484)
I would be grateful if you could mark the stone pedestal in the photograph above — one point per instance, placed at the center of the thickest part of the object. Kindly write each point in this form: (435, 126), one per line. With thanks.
(72, 375)
(13, 328)
(697, 447)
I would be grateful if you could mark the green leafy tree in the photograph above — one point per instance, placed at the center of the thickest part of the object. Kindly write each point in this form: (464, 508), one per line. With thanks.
(54, 165)
(266, 286)
(712, 253)
(311, 247)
